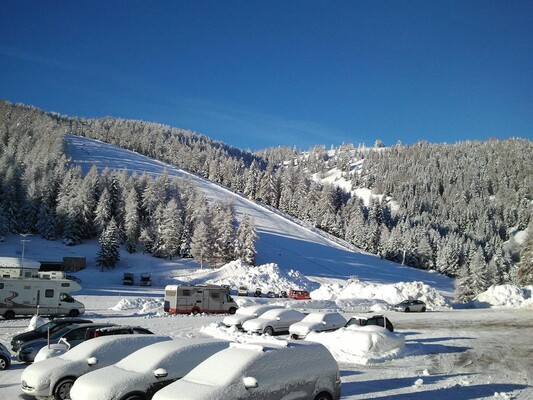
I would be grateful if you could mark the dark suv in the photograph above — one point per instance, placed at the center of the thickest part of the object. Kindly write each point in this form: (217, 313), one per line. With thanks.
(42, 331)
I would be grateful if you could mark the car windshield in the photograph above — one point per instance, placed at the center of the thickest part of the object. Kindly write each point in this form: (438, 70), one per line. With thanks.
(44, 328)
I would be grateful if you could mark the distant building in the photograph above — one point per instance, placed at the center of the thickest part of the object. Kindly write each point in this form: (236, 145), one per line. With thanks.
(11, 267)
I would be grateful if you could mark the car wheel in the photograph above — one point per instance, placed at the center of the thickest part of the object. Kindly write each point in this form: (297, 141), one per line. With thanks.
(323, 396)
(73, 313)
(423, 309)
(195, 311)
(407, 309)
(232, 310)
(269, 331)
(133, 397)
(4, 363)
(62, 390)
(9, 314)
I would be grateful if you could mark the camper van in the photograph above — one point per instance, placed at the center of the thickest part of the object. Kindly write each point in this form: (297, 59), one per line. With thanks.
(184, 299)
(19, 296)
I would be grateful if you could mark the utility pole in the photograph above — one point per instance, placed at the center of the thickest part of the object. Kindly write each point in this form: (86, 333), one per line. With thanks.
(23, 241)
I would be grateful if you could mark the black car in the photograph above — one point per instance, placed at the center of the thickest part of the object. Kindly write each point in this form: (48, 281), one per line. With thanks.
(42, 331)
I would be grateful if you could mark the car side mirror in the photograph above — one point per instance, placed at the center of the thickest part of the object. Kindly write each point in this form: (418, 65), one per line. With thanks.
(160, 373)
(92, 361)
(250, 382)
(324, 323)
(278, 318)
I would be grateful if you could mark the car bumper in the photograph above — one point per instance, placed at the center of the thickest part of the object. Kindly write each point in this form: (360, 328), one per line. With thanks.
(42, 390)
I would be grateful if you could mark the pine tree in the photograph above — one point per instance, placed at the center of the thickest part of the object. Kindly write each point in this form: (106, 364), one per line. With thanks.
(245, 241)
(478, 271)
(109, 254)
(171, 229)
(103, 211)
(223, 223)
(202, 242)
(131, 221)
(525, 268)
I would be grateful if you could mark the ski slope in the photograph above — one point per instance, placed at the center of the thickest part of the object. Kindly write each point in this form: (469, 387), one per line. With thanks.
(281, 239)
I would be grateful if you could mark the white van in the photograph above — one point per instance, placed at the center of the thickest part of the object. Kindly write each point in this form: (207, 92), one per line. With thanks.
(185, 299)
(51, 297)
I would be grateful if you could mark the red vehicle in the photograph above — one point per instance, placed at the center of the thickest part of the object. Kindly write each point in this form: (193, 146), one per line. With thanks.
(299, 294)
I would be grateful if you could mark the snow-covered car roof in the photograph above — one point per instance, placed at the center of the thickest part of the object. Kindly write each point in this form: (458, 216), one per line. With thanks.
(257, 309)
(278, 312)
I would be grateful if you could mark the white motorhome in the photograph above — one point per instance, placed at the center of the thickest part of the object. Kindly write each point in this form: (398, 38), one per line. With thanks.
(185, 299)
(19, 296)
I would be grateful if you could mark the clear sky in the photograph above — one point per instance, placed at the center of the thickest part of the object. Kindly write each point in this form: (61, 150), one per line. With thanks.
(265, 73)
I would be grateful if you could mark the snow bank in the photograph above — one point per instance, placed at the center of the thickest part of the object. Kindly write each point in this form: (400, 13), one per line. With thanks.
(505, 296)
(361, 345)
(364, 295)
(267, 277)
(144, 305)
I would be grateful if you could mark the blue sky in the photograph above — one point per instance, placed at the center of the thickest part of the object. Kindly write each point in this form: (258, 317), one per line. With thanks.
(255, 74)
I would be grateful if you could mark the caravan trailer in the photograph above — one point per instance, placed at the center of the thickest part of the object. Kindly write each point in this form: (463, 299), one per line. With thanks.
(186, 299)
(19, 296)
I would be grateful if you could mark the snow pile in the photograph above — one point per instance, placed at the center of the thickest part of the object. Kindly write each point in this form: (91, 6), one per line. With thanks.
(365, 295)
(144, 305)
(361, 345)
(35, 322)
(505, 296)
(267, 277)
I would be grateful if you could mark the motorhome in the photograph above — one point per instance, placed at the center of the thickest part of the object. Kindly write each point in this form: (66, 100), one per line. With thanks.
(185, 299)
(20, 296)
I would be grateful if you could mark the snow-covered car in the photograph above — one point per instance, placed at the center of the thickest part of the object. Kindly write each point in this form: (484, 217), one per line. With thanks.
(410, 306)
(369, 320)
(42, 331)
(317, 322)
(289, 370)
(73, 334)
(141, 374)
(55, 376)
(246, 313)
(273, 321)
(242, 291)
(271, 295)
(5, 357)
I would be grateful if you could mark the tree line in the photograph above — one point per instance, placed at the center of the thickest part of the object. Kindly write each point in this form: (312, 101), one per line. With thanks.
(448, 208)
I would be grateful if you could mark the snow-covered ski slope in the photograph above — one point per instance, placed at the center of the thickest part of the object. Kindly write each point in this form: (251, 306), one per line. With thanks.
(281, 240)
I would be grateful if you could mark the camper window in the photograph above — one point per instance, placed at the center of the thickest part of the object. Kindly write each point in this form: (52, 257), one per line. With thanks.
(65, 284)
(215, 295)
(49, 293)
(186, 292)
(66, 297)
(1, 285)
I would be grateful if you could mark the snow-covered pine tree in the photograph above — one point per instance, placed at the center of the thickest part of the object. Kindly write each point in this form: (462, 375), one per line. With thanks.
(245, 241)
(171, 229)
(202, 242)
(525, 267)
(109, 254)
(131, 221)
(46, 223)
(223, 223)
(102, 214)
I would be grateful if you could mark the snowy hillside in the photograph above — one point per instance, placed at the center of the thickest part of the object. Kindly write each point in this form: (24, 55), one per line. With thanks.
(282, 241)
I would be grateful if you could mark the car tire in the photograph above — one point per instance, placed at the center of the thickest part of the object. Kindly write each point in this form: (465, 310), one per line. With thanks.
(4, 363)
(133, 397)
(73, 313)
(10, 314)
(407, 309)
(423, 309)
(195, 311)
(269, 331)
(62, 389)
(232, 310)
(323, 396)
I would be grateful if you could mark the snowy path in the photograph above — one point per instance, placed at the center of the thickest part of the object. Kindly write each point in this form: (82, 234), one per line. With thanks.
(281, 241)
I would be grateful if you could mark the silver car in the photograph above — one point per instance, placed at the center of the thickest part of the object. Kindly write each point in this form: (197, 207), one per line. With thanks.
(410, 305)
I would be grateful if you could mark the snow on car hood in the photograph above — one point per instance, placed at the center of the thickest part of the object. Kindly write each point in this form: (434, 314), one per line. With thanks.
(117, 381)
(305, 327)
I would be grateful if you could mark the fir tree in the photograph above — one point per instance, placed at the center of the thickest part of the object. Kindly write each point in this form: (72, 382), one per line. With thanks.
(245, 241)
(525, 267)
(109, 254)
